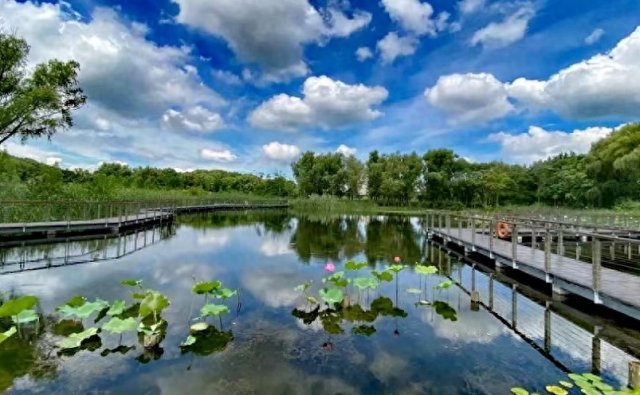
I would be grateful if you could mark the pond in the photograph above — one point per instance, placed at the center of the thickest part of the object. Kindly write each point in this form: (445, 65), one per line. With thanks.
(408, 331)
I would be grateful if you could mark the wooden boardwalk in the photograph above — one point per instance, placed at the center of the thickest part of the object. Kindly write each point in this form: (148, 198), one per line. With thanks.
(113, 224)
(618, 290)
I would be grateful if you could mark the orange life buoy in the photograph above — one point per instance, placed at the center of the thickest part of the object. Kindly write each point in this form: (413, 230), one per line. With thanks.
(503, 230)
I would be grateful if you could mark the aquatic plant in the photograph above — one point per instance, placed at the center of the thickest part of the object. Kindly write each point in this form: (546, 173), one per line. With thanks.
(586, 383)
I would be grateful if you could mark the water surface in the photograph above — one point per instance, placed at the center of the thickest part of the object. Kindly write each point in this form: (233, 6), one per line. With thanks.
(273, 341)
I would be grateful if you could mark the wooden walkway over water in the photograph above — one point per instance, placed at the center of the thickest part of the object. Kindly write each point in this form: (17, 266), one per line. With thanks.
(115, 223)
(616, 289)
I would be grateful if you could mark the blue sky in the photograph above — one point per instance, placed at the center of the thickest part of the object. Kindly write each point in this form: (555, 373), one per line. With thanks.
(249, 84)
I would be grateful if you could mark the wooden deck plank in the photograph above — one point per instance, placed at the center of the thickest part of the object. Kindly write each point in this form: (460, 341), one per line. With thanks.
(619, 285)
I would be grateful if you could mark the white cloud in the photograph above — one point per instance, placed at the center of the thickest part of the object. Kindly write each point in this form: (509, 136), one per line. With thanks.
(326, 103)
(195, 119)
(470, 98)
(279, 152)
(346, 150)
(53, 161)
(269, 33)
(604, 85)
(120, 70)
(227, 77)
(222, 156)
(392, 46)
(363, 53)
(538, 143)
(102, 124)
(470, 6)
(594, 37)
(414, 16)
(501, 34)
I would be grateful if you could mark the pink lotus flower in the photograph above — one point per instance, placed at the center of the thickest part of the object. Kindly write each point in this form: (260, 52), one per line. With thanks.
(330, 267)
(397, 259)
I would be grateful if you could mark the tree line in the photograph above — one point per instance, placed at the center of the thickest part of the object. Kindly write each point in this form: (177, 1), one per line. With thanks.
(27, 179)
(607, 175)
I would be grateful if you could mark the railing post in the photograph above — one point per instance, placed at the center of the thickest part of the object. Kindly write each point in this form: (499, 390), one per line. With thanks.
(596, 255)
(448, 219)
(547, 253)
(490, 238)
(473, 232)
(459, 228)
(560, 248)
(514, 245)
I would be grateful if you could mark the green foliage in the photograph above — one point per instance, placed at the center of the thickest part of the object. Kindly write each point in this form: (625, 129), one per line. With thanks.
(118, 326)
(131, 282)
(117, 308)
(207, 287)
(213, 310)
(13, 307)
(427, 270)
(354, 266)
(39, 104)
(75, 340)
(7, 334)
(366, 282)
(153, 304)
(382, 276)
(83, 311)
(331, 295)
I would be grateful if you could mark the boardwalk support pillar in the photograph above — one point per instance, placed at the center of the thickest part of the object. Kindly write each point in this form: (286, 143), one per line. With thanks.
(634, 374)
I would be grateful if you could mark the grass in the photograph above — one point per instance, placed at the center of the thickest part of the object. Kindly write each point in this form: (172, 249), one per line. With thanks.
(332, 205)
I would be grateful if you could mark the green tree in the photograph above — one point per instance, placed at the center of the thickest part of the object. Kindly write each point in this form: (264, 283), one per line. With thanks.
(39, 104)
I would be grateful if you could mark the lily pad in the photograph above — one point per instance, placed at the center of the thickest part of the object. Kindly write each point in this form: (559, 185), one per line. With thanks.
(224, 293)
(444, 284)
(14, 306)
(331, 295)
(414, 291)
(312, 300)
(76, 301)
(556, 390)
(188, 341)
(566, 384)
(117, 308)
(75, 339)
(206, 287)
(396, 268)
(213, 310)
(153, 304)
(7, 334)
(25, 316)
(84, 311)
(354, 266)
(199, 327)
(382, 276)
(131, 282)
(366, 283)
(303, 287)
(519, 391)
(422, 269)
(119, 326)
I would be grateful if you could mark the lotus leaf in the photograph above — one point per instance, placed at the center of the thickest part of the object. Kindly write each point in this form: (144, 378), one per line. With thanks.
(206, 287)
(213, 310)
(354, 266)
(331, 295)
(14, 306)
(7, 334)
(422, 269)
(75, 339)
(119, 326)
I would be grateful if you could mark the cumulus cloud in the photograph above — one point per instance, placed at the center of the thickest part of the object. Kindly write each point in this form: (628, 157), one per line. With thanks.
(326, 103)
(415, 17)
(470, 6)
(120, 70)
(195, 119)
(363, 53)
(227, 77)
(279, 152)
(346, 150)
(538, 143)
(606, 85)
(392, 46)
(470, 98)
(501, 34)
(594, 37)
(221, 156)
(269, 33)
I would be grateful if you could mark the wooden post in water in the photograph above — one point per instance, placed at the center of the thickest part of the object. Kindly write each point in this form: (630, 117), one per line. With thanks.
(547, 253)
(596, 351)
(514, 306)
(634, 374)
(547, 327)
(596, 264)
(491, 291)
